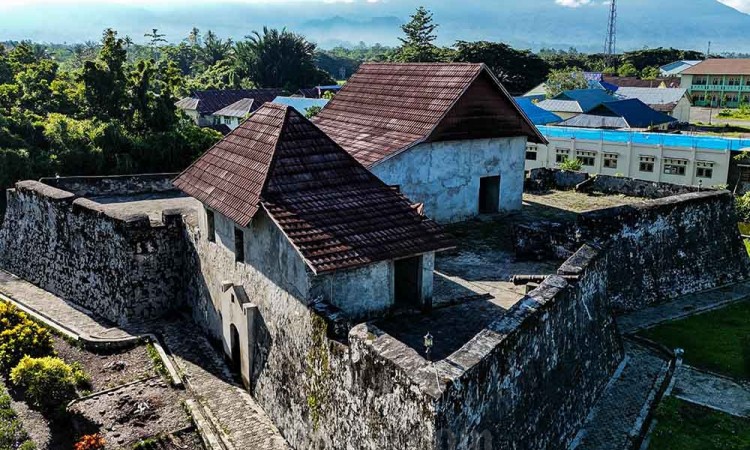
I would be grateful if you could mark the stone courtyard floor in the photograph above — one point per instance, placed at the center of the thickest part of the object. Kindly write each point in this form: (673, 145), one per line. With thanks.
(233, 413)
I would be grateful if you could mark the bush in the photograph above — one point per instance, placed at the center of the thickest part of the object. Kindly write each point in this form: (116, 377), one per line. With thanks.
(49, 383)
(571, 164)
(742, 206)
(90, 442)
(20, 336)
(12, 434)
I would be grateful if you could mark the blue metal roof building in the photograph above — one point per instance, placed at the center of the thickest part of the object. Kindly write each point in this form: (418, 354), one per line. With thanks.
(587, 99)
(644, 138)
(537, 115)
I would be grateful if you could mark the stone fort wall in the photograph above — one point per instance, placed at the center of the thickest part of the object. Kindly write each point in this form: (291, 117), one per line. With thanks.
(121, 267)
(525, 382)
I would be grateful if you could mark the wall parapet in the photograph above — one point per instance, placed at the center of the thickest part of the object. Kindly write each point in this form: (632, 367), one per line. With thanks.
(113, 184)
(119, 265)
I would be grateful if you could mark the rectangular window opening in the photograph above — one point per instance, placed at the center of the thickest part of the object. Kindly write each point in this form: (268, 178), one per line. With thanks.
(211, 226)
(239, 245)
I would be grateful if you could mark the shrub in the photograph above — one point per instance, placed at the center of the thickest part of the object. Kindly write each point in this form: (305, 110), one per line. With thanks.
(571, 164)
(12, 434)
(742, 206)
(48, 382)
(90, 442)
(19, 337)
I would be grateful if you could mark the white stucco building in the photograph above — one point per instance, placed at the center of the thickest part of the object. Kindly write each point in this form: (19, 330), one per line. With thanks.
(448, 136)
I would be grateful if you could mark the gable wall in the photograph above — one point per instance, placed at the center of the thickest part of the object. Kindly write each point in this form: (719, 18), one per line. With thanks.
(445, 175)
(482, 112)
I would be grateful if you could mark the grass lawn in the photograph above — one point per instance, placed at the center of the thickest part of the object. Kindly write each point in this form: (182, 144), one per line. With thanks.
(683, 426)
(718, 340)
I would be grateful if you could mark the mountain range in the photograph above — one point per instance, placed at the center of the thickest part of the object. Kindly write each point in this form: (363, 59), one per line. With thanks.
(687, 24)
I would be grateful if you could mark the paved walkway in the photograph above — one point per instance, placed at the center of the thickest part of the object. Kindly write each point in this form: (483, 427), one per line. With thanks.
(73, 318)
(712, 390)
(681, 307)
(234, 413)
(617, 419)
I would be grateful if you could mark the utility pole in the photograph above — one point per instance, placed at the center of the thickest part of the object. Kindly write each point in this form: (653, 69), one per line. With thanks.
(610, 43)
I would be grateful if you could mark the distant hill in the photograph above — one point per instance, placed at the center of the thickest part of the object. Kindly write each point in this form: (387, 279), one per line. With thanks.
(528, 23)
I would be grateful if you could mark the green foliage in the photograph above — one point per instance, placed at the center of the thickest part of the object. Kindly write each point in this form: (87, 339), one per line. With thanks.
(312, 111)
(566, 79)
(627, 70)
(12, 434)
(258, 59)
(684, 426)
(518, 70)
(572, 164)
(159, 366)
(657, 57)
(742, 207)
(19, 337)
(104, 78)
(650, 73)
(715, 341)
(418, 43)
(48, 383)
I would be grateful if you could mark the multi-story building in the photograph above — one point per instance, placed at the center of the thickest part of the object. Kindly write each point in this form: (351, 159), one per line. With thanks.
(678, 159)
(718, 82)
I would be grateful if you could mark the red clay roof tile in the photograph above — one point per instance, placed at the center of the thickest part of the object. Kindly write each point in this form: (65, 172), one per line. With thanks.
(337, 213)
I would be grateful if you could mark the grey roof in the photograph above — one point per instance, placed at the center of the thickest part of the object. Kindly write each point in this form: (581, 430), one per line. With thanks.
(554, 105)
(240, 108)
(654, 96)
(188, 103)
(595, 121)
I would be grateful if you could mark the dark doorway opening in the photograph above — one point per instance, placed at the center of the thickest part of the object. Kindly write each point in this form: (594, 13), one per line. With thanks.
(489, 195)
(408, 282)
(236, 354)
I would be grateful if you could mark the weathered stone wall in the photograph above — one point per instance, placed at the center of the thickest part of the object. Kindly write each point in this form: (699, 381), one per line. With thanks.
(529, 379)
(664, 248)
(319, 392)
(113, 185)
(119, 266)
(445, 175)
(544, 178)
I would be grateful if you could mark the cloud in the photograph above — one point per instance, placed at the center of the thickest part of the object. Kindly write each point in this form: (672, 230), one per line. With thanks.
(740, 5)
(573, 3)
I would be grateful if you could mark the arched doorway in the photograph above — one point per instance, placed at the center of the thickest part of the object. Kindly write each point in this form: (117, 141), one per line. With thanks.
(236, 355)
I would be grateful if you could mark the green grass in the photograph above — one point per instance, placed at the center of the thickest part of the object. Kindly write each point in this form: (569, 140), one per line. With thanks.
(683, 426)
(718, 341)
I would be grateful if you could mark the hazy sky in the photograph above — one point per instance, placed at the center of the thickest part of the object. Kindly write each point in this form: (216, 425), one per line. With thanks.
(742, 5)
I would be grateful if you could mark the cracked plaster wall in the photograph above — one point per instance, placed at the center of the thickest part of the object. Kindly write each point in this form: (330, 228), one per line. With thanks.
(445, 175)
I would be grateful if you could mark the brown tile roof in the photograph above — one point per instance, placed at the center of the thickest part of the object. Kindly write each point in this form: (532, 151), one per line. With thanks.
(720, 67)
(333, 210)
(385, 108)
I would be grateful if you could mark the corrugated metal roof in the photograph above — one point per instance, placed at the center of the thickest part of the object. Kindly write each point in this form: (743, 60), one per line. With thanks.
(727, 66)
(654, 96)
(644, 138)
(386, 107)
(240, 108)
(333, 210)
(536, 114)
(595, 121)
(553, 105)
(636, 113)
(587, 99)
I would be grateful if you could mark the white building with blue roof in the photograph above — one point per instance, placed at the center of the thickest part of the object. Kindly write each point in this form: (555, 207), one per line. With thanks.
(672, 158)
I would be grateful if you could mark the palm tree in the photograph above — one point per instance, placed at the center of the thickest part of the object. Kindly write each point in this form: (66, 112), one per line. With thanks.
(214, 49)
(278, 59)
